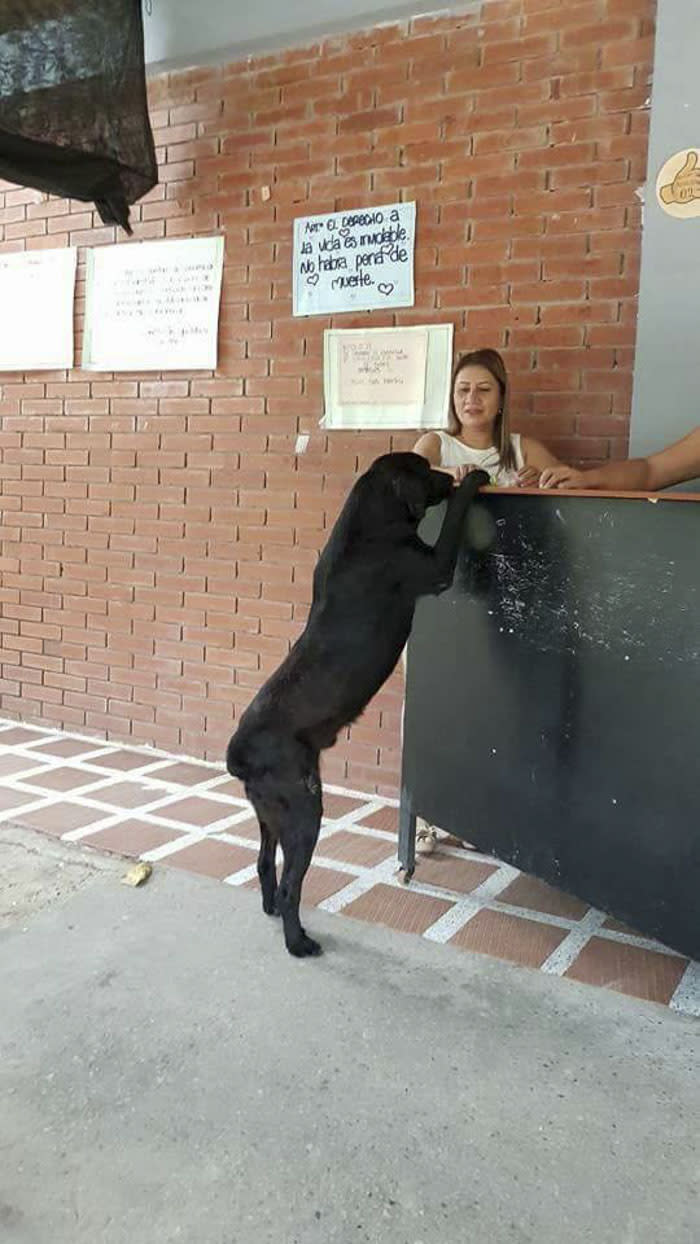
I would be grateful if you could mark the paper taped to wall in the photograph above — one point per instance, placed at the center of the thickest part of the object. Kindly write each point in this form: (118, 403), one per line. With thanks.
(388, 377)
(153, 306)
(359, 260)
(36, 295)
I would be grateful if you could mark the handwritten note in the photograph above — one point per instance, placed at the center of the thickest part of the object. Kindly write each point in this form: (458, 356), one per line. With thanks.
(357, 260)
(387, 377)
(153, 306)
(36, 297)
(384, 368)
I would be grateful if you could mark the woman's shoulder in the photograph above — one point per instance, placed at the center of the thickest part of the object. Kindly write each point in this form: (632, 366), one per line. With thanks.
(436, 437)
(429, 446)
(433, 436)
(427, 440)
(453, 451)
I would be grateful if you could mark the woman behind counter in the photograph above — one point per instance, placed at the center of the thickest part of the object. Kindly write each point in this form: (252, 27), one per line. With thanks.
(479, 435)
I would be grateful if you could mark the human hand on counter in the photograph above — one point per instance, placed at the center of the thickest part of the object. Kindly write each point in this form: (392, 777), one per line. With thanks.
(528, 477)
(562, 477)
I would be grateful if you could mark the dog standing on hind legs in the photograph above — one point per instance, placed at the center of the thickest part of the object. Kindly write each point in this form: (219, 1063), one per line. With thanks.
(366, 584)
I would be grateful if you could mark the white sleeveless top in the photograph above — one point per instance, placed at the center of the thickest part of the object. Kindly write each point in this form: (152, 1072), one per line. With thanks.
(455, 453)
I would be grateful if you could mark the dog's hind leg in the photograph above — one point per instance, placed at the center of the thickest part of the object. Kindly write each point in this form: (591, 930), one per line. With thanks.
(298, 836)
(287, 801)
(267, 871)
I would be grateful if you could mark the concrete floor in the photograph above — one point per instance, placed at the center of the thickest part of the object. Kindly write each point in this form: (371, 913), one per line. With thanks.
(168, 1073)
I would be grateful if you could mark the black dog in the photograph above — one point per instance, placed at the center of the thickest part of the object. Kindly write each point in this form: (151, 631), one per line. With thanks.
(366, 583)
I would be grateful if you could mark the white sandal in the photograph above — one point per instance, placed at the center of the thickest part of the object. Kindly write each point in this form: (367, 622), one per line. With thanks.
(426, 840)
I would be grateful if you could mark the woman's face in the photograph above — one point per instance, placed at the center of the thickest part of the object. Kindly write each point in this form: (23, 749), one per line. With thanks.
(477, 398)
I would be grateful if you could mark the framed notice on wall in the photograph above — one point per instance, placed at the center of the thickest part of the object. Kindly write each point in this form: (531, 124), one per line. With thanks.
(37, 289)
(359, 260)
(388, 377)
(153, 306)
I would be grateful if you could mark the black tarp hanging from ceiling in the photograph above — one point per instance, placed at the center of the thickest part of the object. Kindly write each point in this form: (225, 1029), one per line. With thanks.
(73, 112)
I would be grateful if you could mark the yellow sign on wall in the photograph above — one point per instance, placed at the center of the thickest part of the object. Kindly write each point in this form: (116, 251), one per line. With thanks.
(678, 184)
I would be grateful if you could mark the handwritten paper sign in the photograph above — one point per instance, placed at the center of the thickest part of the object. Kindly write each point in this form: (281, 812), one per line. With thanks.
(153, 306)
(383, 368)
(36, 297)
(358, 260)
(387, 377)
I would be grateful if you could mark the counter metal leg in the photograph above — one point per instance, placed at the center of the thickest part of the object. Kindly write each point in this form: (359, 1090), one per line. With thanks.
(407, 838)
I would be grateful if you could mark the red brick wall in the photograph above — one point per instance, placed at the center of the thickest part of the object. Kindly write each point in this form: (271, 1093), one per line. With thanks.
(158, 533)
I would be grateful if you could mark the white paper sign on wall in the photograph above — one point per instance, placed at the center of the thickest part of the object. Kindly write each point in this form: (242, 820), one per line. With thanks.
(357, 260)
(36, 298)
(387, 377)
(153, 306)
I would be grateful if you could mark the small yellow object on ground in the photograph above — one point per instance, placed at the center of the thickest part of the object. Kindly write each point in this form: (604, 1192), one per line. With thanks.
(137, 875)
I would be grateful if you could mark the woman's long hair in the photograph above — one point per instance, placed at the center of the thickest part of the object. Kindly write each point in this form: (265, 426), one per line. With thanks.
(492, 361)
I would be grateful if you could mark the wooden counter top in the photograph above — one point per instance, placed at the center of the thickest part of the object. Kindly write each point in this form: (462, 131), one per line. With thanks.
(594, 493)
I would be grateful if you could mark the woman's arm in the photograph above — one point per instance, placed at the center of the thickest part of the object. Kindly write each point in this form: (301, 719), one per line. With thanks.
(536, 458)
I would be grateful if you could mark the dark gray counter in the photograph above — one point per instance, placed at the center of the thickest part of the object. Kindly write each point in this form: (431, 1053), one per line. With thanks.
(553, 702)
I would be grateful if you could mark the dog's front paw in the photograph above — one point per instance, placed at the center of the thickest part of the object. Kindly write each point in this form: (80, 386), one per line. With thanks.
(304, 946)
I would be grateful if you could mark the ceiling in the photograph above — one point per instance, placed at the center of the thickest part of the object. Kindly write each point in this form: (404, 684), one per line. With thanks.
(179, 33)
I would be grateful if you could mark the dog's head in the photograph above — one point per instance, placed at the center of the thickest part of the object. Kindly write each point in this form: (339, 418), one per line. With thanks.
(412, 481)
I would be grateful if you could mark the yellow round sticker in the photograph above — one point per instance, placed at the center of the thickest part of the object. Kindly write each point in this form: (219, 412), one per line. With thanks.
(678, 184)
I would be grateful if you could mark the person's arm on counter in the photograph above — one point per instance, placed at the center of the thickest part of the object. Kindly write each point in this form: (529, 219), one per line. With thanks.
(674, 465)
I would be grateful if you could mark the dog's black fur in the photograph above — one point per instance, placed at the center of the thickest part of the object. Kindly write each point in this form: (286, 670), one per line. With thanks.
(366, 583)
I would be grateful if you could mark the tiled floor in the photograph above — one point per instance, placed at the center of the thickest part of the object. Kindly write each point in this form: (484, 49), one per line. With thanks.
(192, 815)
